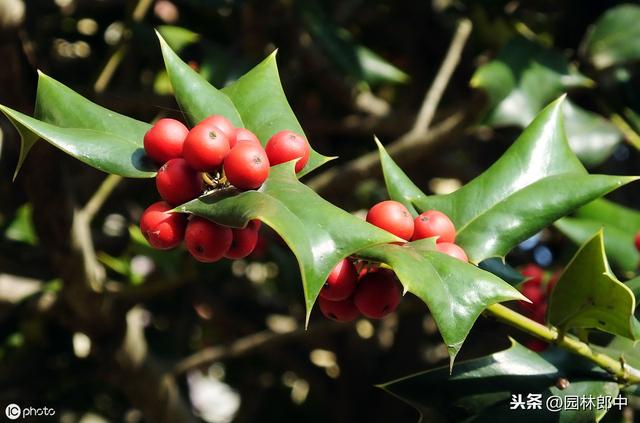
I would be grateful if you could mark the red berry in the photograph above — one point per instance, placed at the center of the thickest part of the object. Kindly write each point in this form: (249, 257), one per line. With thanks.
(224, 125)
(244, 135)
(177, 183)
(534, 273)
(244, 241)
(341, 311)
(285, 146)
(392, 217)
(206, 147)
(341, 282)
(434, 223)
(165, 139)
(207, 241)
(539, 312)
(367, 268)
(260, 250)
(377, 294)
(254, 224)
(163, 229)
(637, 241)
(536, 345)
(452, 250)
(532, 290)
(246, 166)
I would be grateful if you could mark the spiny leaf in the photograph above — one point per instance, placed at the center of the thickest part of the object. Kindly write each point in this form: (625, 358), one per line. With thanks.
(318, 233)
(197, 98)
(621, 225)
(455, 292)
(589, 296)
(260, 100)
(535, 182)
(97, 136)
(482, 390)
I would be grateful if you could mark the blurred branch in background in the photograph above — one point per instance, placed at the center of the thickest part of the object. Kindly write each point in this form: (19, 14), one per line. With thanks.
(253, 343)
(415, 143)
(137, 15)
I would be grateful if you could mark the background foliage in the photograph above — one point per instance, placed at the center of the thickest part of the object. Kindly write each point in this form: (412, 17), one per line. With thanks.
(350, 69)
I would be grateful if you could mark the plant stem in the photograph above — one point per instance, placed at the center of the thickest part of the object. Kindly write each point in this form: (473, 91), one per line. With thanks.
(448, 66)
(623, 373)
(631, 136)
(100, 196)
(102, 82)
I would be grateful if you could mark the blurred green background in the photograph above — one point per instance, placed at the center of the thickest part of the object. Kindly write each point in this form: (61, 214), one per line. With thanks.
(351, 69)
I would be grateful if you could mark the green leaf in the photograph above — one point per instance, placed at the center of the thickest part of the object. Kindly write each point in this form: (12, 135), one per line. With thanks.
(455, 292)
(623, 348)
(352, 58)
(197, 98)
(502, 270)
(21, 227)
(178, 38)
(97, 136)
(591, 137)
(256, 101)
(260, 100)
(613, 39)
(318, 233)
(535, 182)
(634, 286)
(589, 296)
(481, 390)
(620, 223)
(611, 214)
(522, 79)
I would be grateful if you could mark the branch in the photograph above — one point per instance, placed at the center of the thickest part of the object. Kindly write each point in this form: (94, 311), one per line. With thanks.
(250, 344)
(418, 141)
(403, 150)
(143, 380)
(448, 66)
(98, 199)
(622, 372)
(629, 133)
(103, 80)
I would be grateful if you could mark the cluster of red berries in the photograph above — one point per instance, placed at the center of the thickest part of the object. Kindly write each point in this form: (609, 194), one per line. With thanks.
(350, 291)
(537, 288)
(213, 154)
(394, 217)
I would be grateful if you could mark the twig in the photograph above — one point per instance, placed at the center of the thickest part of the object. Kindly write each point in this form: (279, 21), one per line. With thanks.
(369, 163)
(249, 344)
(141, 377)
(623, 373)
(448, 66)
(630, 135)
(406, 146)
(98, 199)
(103, 80)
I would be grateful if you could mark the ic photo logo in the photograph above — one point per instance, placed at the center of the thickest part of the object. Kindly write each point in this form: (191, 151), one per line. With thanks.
(13, 411)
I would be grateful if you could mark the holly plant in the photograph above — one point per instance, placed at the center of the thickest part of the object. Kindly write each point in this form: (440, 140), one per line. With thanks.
(236, 164)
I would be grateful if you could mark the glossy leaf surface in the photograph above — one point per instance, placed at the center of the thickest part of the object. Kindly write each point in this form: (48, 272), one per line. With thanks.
(537, 181)
(97, 136)
(481, 390)
(588, 295)
(318, 233)
(455, 292)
